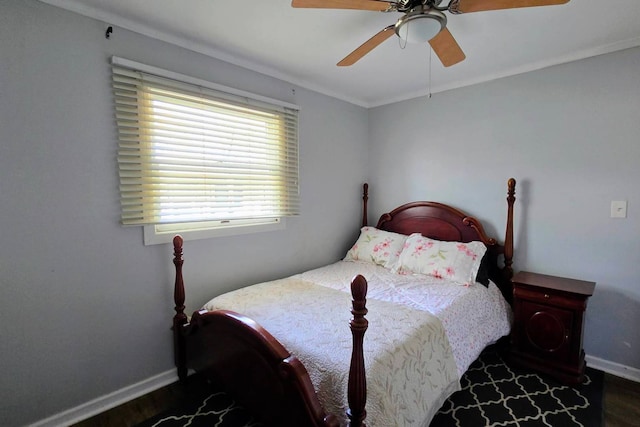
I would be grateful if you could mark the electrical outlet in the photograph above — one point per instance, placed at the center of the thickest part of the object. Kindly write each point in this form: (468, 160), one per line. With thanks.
(619, 209)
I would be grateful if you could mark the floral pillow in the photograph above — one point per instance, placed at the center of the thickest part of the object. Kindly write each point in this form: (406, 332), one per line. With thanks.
(455, 261)
(377, 246)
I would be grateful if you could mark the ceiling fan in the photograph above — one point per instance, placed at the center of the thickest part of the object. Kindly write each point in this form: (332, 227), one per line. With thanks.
(422, 21)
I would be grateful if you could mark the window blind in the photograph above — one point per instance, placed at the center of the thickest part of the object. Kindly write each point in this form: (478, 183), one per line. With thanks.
(191, 153)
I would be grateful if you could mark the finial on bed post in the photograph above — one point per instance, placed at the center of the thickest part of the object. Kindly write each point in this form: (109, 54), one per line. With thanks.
(508, 239)
(180, 319)
(365, 200)
(357, 388)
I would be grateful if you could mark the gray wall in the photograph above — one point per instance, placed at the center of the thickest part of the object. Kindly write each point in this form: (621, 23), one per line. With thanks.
(569, 135)
(85, 307)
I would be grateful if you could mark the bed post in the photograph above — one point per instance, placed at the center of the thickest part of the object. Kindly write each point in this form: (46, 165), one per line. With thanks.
(357, 388)
(365, 200)
(508, 239)
(180, 319)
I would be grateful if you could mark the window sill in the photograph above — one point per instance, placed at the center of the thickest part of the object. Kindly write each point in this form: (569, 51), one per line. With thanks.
(154, 237)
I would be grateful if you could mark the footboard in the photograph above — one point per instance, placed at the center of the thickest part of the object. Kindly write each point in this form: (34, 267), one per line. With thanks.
(255, 368)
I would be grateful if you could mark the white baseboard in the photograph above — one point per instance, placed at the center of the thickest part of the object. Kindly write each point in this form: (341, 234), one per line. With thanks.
(613, 368)
(111, 400)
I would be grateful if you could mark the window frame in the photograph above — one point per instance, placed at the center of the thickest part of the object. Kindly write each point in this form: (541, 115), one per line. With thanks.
(163, 233)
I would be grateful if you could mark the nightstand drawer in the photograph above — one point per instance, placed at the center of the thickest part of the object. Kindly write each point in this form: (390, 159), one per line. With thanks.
(549, 297)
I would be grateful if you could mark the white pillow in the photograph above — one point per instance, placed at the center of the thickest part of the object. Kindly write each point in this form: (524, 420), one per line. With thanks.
(454, 261)
(377, 246)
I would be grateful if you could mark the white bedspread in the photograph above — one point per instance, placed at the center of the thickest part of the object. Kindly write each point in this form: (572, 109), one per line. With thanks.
(473, 317)
(399, 343)
(414, 322)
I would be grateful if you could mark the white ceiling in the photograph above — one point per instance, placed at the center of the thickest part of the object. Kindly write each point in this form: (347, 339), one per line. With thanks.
(302, 46)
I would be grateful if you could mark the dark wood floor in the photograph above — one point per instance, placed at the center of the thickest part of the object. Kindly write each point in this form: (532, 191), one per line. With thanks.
(621, 405)
(621, 402)
(147, 406)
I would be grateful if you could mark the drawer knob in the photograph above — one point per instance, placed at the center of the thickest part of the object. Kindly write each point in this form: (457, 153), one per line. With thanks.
(546, 296)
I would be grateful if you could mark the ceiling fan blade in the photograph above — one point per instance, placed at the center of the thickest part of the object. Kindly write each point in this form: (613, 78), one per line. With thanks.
(373, 5)
(447, 48)
(466, 6)
(367, 46)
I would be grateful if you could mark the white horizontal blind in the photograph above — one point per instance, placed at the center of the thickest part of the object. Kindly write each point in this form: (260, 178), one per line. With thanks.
(189, 153)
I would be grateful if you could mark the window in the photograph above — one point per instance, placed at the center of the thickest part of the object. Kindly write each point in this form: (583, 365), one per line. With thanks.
(195, 156)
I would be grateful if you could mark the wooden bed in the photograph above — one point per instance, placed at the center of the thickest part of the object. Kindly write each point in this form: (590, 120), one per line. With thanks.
(264, 376)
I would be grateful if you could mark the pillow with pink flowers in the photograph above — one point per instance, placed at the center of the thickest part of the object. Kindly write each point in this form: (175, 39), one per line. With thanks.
(454, 261)
(377, 246)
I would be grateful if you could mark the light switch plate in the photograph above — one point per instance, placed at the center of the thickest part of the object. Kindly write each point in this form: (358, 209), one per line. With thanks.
(619, 209)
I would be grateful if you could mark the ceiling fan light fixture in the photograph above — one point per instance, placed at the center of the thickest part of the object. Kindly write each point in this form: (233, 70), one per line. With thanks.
(420, 25)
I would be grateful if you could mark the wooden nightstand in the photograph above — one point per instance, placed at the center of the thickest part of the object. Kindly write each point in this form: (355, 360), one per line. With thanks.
(549, 325)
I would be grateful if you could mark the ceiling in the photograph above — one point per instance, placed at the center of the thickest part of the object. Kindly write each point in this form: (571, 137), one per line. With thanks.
(302, 46)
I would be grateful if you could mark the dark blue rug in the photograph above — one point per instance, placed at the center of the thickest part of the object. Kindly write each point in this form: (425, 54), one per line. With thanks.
(495, 394)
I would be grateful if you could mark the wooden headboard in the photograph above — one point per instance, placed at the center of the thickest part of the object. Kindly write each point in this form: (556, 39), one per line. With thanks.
(442, 222)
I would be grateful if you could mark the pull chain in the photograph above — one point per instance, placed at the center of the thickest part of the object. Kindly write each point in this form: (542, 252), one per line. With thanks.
(401, 44)
(429, 88)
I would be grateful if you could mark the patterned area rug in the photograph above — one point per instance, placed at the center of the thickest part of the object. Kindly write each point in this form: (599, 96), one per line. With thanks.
(208, 406)
(493, 394)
